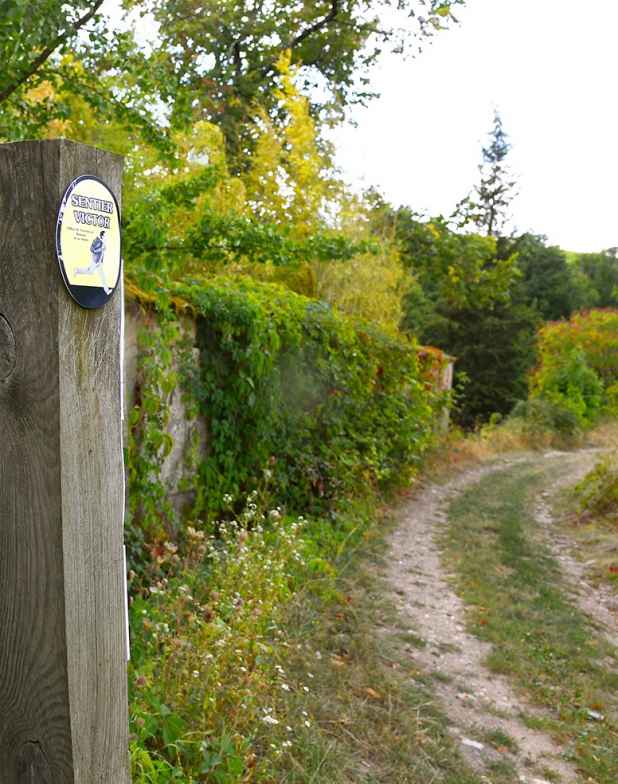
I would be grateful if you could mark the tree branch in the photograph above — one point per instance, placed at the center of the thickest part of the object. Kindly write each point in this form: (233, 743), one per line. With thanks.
(317, 26)
(237, 57)
(49, 50)
(307, 32)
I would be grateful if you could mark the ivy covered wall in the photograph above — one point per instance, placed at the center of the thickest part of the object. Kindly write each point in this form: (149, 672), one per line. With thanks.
(235, 386)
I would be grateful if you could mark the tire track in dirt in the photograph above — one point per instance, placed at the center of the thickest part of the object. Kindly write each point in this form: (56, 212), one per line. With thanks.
(598, 602)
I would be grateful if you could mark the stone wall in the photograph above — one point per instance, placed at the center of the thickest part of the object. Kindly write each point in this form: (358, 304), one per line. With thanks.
(180, 428)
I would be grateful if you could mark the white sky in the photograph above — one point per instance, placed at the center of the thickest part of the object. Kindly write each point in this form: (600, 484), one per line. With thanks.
(550, 67)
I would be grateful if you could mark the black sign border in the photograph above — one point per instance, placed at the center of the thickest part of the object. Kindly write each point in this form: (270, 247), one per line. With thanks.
(87, 297)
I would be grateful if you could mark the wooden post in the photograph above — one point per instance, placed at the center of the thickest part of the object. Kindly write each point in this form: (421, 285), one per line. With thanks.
(63, 685)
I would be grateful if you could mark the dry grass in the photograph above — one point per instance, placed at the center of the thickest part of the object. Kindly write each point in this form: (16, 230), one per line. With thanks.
(604, 435)
(458, 450)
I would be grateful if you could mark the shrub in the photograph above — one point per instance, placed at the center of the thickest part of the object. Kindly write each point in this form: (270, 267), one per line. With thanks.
(597, 493)
(304, 408)
(540, 418)
(591, 335)
(568, 383)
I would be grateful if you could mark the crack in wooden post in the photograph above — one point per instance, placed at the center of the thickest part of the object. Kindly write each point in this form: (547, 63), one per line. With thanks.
(7, 349)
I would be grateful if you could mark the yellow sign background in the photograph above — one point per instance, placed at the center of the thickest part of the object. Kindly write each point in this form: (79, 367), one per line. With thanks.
(89, 209)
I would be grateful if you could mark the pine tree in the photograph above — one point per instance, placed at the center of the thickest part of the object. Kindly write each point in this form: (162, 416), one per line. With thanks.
(488, 205)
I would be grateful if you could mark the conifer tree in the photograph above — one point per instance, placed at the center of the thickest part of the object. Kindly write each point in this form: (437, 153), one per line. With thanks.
(488, 205)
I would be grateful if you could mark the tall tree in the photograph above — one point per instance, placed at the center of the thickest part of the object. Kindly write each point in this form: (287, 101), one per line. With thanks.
(29, 39)
(488, 205)
(211, 60)
(221, 56)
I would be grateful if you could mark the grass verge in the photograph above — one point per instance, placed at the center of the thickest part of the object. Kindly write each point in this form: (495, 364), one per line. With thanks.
(516, 601)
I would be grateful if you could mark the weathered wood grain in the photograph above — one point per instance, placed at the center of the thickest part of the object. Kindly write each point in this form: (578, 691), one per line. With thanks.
(63, 694)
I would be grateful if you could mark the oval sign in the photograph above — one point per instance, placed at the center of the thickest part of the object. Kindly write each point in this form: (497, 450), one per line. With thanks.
(88, 241)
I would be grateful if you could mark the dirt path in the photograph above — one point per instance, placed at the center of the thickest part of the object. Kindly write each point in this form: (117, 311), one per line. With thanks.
(482, 707)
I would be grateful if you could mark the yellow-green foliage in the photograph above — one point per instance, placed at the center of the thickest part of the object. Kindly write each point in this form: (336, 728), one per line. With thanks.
(594, 333)
(611, 394)
(287, 181)
(369, 286)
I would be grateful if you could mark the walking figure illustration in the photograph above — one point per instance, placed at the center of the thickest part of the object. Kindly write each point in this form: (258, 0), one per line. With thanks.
(97, 254)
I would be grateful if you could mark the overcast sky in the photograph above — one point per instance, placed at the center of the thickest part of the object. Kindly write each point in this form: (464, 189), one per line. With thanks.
(550, 67)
